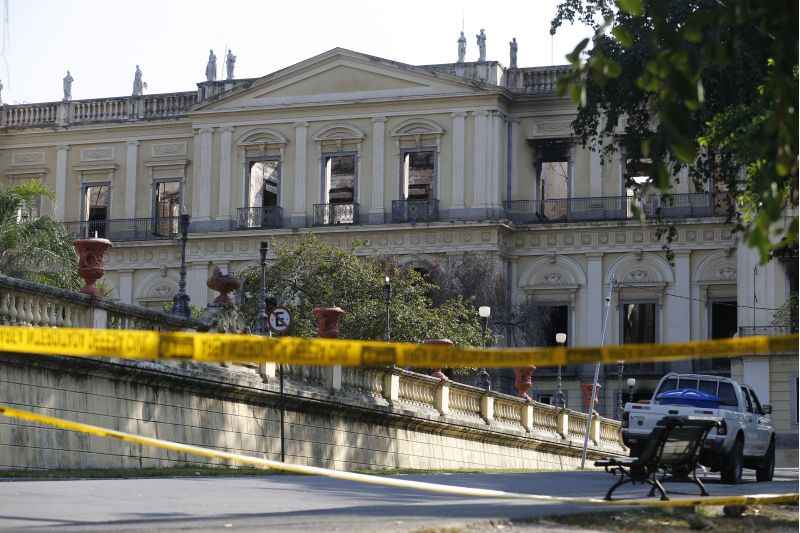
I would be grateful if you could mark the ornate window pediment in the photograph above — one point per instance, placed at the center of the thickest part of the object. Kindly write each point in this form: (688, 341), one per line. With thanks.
(339, 137)
(553, 278)
(418, 132)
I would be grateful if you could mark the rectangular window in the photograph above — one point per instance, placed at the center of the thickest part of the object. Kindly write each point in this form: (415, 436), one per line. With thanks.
(723, 324)
(418, 175)
(263, 182)
(167, 206)
(96, 201)
(639, 323)
(340, 179)
(553, 187)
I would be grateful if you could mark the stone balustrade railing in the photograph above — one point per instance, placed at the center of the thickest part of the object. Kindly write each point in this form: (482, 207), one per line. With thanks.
(115, 109)
(459, 403)
(535, 80)
(23, 303)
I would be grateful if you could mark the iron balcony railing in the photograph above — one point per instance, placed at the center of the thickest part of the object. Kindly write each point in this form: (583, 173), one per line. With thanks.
(683, 205)
(335, 214)
(415, 211)
(259, 217)
(130, 229)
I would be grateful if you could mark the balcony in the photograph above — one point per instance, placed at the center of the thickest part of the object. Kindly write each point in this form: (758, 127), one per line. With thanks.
(414, 211)
(752, 331)
(259, 217)
(684, 205)
(131, 229)
(335, 214)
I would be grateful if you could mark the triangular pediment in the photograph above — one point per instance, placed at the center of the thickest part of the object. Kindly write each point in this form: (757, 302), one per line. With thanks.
(340, 76)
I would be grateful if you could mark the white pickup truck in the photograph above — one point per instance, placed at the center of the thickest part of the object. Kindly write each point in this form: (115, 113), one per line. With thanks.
(745, 438)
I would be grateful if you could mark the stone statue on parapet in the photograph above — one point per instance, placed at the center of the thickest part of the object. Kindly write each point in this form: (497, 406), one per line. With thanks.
(481, 37)
(138, 86)
(462, 48)
(211, 66)
(230, 62)
(513, 46)
(68, 79)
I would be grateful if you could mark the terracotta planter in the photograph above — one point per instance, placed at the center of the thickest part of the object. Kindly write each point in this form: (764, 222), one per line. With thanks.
(328, 321)
(437, 373)
(224, 284)
(523, 381)
(90, 261)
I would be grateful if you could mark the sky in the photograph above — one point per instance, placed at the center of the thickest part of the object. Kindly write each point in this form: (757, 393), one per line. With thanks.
(102, 41)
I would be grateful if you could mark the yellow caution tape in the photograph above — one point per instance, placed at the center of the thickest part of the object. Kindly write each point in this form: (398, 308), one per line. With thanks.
(753, 499)
(217, 347)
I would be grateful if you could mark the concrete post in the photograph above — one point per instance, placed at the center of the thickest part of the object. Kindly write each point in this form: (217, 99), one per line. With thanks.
(526, 417)
(595, 429)
(563, 424)
(328, 328)
(391, 387)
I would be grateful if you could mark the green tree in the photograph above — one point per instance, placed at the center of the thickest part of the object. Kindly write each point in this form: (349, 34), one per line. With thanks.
(311, 273)
(707, 85)
(35, 248)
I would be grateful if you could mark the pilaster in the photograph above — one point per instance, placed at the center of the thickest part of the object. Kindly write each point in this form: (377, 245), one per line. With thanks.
(376, 209)
(126, 286)
(131, 167)
(201, 195)
(196, 279)
(62, 157)
(479, 153)
(458, 160)
(298, 213)
(224, 208)
(595, 294)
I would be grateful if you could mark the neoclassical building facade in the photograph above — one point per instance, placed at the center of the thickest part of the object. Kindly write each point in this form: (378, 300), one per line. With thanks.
(424, 163)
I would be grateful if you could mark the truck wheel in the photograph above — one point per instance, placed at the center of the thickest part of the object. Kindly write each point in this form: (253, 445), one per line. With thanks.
(766, 468)
(732, 465)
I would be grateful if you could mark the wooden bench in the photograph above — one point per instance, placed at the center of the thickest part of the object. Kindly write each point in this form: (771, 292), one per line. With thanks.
(673, 447)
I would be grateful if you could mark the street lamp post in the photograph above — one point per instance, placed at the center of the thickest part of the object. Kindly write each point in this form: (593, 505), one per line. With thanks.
(180, 303)
(261, 309)
(484, 379)
(620, 370)
(387, 297)
(561, 340)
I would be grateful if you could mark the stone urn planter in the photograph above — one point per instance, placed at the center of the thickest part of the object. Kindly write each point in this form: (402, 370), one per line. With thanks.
(90, 261)
(437, 373)
(224, 284)
(523, 381)
(328, 321)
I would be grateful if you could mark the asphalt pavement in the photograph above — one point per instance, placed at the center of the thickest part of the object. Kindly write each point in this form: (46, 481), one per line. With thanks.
(302, 503)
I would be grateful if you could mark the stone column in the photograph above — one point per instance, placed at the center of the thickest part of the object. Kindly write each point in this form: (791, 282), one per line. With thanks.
(224, 210)
(458, 162)
(493, 160)
(376, 211)
(298, 214)
(595, 175)
(126, 286)
(62, 156)
(513, 157)
(201, 195)
(131, 167)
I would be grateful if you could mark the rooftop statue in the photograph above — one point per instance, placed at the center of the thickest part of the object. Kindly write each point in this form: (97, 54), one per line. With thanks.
(68, 79)
(211, 67)
(462, 48)
(138, 86)
(481, 46)
(230, 62)
(513, 46)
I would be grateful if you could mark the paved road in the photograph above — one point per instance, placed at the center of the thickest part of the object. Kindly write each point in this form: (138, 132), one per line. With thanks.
(301, 503)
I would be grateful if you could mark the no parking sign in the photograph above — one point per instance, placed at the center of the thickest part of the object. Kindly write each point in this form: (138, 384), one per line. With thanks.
(280, 319)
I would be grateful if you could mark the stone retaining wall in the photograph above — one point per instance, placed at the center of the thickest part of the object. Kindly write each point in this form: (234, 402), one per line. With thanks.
(232, 408)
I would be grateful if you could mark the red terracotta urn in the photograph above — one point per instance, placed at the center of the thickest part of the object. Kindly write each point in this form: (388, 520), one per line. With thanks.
(437, 373)
(523, 380)
(328, 321)
(224, 284)
(90, 261)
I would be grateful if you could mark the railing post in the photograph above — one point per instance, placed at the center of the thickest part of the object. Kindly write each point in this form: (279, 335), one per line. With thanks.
(98, 318)
(63, 113)
(595, 430)
(391, 386)
(563, 424)
(526, 417)
(487, 408)
(442, 400)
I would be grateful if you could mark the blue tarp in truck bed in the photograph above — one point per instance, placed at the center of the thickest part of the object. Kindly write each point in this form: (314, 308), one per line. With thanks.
(689, 397)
